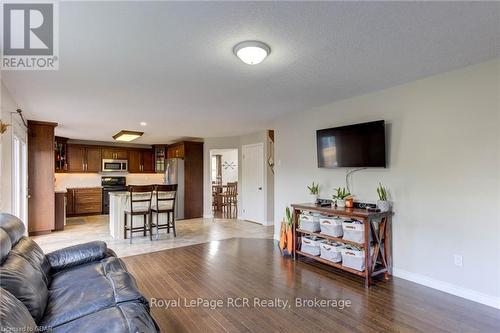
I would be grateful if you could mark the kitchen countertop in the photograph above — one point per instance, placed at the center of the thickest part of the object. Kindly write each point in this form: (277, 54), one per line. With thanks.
(60, 190)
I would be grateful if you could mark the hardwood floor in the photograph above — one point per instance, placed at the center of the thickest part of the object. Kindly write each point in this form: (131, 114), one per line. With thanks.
(254, 269)
(89, 228)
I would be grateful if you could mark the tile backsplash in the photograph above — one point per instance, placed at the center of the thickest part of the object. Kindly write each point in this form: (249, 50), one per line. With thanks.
(72, 180)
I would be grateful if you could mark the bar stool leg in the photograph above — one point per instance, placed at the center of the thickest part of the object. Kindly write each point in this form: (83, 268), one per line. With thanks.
(173, 224)
(150, 225)
(168, 223)
(157, 226)
(125, 225)
(131, 227)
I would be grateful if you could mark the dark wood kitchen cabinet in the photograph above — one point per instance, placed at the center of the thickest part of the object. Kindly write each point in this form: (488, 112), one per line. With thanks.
(176, 150)
(134, 161)
(114, 154)
(140, 161)
(83, 158)
(70, 202)
(60, 154)
(76, 158)
(41, 166)
(84, 201)
(192, 153)
(148, 161)
(93, 155)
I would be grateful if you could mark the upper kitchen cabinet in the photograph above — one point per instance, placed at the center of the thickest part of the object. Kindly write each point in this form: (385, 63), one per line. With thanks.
(76, 158)
(60, 152)
(140, 161)
(176, 150)
(160, 155)
(83, 158)
(148, 161)
(93, 155)
(134, 161)
(115, 154)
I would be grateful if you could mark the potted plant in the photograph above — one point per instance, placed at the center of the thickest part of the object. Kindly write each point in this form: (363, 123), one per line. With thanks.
(314, 192)
(340, 195)
(383, 204)
(286, 233)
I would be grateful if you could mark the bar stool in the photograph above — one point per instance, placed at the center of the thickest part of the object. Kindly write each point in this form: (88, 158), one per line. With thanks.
(141, 194)
(164, 203)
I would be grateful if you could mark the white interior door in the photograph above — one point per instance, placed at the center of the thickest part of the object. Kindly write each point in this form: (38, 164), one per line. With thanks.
(253, 197)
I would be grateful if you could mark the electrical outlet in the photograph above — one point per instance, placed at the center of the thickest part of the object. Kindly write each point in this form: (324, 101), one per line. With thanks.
(458, 260)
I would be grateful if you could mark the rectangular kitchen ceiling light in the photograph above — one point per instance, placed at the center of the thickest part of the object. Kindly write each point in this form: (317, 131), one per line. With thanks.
(127, 135)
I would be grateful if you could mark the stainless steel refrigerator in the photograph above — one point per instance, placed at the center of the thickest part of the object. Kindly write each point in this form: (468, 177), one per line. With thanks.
(174, 174)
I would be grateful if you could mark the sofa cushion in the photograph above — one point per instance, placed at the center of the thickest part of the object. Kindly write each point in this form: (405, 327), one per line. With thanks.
(77, 255)
(30, 251)
(19, 277)
(129, 317)
(14, 316)
(13, 226)
(89, 288)
(5, 245)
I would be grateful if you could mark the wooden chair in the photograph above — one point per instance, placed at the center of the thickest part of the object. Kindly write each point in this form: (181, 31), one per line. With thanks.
(230, 199)
(140, 195)
(164, 203)
(215, 198)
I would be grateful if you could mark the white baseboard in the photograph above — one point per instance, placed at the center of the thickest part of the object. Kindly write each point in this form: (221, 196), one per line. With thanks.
(276, 237)
(449, 288)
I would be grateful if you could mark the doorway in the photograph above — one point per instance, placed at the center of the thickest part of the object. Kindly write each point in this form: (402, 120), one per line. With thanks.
(224, 181)
(253, 192)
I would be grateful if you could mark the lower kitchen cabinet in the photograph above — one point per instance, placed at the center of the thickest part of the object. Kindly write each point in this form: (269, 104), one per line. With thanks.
(84, 201)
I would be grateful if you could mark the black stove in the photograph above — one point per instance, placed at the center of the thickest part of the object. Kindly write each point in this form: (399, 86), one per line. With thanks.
(111, 184)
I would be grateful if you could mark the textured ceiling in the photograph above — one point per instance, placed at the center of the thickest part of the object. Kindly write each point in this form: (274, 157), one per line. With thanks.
(171, 64)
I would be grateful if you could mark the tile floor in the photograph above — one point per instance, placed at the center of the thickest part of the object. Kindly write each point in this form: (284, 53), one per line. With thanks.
(189, 232)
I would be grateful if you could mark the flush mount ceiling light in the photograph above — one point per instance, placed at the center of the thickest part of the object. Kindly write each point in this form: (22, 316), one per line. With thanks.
(127, 135)
(252, 52)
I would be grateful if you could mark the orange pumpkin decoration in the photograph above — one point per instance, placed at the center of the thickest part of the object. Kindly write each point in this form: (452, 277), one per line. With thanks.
(283, 236)
(289, 240)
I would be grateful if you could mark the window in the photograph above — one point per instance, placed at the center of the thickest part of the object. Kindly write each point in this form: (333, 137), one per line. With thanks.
(19, 172)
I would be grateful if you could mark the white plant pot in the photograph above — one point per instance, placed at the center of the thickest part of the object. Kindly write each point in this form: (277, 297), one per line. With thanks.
(313, 198)
(384, 206)
(340, 203)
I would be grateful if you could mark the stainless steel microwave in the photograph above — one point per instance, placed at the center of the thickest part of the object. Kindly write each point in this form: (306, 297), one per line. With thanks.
(114, 165)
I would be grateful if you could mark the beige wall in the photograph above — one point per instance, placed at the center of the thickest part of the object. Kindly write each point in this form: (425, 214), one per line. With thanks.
(443, 174)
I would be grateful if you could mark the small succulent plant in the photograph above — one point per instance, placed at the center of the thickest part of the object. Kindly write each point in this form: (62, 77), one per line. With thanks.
(313, 189)
(382, 192)
(341, 193)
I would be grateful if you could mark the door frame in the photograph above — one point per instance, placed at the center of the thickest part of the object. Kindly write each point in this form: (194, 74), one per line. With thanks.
(264, 182)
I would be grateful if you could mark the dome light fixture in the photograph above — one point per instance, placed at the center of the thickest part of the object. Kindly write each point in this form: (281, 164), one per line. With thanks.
(252, 52)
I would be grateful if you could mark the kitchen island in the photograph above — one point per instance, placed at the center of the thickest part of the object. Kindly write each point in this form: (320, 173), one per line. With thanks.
(118, 202)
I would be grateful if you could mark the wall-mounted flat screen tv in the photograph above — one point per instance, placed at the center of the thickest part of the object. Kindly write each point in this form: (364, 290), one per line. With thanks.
(353, 146)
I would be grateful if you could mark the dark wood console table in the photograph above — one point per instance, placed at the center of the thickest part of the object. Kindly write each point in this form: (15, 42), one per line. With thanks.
(380, 262)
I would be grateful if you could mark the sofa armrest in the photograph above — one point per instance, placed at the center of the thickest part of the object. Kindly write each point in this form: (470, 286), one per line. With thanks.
(77, 255)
